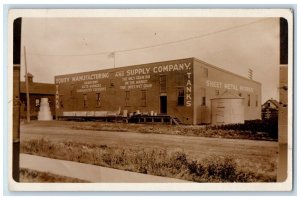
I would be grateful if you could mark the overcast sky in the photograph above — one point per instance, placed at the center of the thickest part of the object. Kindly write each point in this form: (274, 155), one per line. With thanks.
(56, 46)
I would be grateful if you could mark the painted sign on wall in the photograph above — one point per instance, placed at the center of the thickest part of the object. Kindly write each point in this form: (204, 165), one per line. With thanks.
(123, 73)
(91, 86)
(56, 97)
(136, 82)
(228, 86)
(134, 78)
(188, 90)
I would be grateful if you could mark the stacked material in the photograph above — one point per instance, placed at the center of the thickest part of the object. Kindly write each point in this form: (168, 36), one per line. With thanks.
(44, 113)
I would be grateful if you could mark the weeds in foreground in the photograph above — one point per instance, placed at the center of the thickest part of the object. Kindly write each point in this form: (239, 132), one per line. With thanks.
(33, 176)
(148, 161)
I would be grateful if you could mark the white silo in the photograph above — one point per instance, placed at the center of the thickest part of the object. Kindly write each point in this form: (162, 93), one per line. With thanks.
(227, 108)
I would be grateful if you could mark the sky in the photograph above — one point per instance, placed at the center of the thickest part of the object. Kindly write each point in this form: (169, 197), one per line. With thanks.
(57, 46)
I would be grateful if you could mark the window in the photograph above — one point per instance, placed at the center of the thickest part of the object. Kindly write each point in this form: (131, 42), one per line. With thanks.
(180, 96)
(256, 100)
(180, 79)
(112, 84)
(37, 105)
(203, 101)
(98, 100)
(240, 94)
(37, 102)
(217, 92)
(248, 100)
(203, 96)
(72, 90)
(61, 101)
(144, 98)
(85, 99)
(127, 98)
(205, 72)
(163, 83)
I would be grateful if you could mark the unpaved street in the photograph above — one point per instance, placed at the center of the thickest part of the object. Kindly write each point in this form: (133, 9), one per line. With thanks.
(252, 152)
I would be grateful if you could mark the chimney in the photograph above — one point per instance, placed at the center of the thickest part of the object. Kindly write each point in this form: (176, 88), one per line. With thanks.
(30, 78)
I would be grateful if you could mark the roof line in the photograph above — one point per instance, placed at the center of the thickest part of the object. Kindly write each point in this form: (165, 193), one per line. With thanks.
(218, 68)
(128, 66)
(193, 58)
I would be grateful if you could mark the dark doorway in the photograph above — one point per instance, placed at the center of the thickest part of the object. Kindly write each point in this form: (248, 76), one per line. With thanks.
(163, 104)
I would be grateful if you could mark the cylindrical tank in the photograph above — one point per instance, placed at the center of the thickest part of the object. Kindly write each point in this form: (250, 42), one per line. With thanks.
(227, 109)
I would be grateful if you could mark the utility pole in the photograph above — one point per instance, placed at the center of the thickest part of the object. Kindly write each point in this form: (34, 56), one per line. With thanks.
(27, 87)
(250, 74)
(114, 60)
(113, 55)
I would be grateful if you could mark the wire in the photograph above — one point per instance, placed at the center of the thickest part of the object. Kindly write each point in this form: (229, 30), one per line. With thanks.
(192, 38)
(156, 45)
(90, 54)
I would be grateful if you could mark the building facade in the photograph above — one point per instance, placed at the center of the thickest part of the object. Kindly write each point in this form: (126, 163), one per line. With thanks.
(36, 92)
(269, 110)
(180, 88)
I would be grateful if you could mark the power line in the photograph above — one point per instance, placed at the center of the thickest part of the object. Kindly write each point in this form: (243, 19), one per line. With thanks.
(90, 54)
(156, 45)
(192, 38)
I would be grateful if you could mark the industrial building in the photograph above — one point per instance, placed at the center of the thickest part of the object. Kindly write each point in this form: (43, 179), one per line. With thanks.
(189, 91)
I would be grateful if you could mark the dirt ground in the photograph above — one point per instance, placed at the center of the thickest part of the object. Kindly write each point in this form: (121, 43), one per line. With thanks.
(249, 153)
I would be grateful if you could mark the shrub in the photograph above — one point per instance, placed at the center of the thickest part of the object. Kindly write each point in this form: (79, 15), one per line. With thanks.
(147, 161)
(196, 168)
(270, 126)
(223, 169)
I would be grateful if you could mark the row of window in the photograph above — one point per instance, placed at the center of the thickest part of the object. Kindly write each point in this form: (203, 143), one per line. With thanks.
(99, 99)
(180, 98)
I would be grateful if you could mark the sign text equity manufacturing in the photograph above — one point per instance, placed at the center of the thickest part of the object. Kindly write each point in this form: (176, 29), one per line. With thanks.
(124, 73)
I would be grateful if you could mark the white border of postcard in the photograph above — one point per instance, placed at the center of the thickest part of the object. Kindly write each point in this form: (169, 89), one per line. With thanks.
(55, 13)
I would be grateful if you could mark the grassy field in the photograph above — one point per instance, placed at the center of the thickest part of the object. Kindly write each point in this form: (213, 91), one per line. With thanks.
(33, 176)
(191, 130)
(154, 161)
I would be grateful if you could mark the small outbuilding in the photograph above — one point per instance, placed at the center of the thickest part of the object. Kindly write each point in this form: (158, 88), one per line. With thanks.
(269, 110)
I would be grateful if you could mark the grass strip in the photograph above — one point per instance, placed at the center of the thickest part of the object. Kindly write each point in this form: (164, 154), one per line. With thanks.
(159, 162)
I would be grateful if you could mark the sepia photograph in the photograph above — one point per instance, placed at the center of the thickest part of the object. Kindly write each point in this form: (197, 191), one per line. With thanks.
(133, 97)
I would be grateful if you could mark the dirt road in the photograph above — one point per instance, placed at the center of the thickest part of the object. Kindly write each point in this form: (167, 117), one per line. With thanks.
(200, 147)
